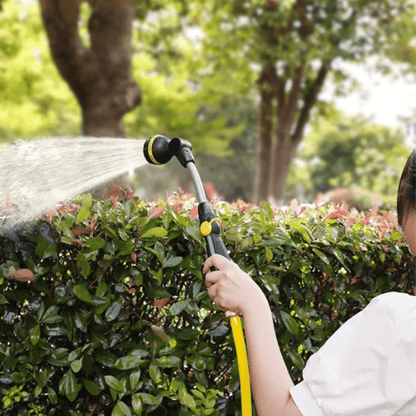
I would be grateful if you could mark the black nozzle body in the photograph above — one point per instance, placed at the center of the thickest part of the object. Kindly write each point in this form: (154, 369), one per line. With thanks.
(158, 150)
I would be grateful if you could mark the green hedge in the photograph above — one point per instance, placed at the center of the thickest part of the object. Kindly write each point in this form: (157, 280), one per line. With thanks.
(118, 320)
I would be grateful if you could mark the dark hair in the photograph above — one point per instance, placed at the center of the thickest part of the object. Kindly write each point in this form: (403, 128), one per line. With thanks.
(406, 194)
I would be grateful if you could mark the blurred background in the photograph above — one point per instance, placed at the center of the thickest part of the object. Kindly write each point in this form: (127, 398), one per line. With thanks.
(305, 99)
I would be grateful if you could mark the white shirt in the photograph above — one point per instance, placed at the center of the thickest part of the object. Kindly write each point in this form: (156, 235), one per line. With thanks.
(367, 367)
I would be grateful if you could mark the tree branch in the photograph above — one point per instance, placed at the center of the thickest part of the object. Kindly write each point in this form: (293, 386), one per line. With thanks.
(60, 19)
(288, 112)
(104, 69)
(310, 101)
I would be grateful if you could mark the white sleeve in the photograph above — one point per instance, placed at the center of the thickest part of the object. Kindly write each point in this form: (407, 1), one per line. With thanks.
(367, 367)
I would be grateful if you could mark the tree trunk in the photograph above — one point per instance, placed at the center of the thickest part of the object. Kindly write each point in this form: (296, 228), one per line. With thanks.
(264, 134)
(100, 76)
(289, 129)
(283, 151)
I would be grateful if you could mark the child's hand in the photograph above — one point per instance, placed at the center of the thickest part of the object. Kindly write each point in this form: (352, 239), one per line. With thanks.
(230, 288)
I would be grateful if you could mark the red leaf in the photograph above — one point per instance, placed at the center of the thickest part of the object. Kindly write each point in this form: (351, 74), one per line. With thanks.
(115, 193)
(113, 201)
(22, 275)
(210, 189)
(78, 230)
(178, 207)
(156, 212)
(160, 303)
(194, 212)
(74, 240)
(129, 194)
(133, 256)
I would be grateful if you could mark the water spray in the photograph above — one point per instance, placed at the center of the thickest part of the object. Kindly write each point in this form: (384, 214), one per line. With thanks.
(158, 150)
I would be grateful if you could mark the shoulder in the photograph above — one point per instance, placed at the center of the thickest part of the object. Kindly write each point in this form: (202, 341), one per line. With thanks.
(401, 311)
(395, 303)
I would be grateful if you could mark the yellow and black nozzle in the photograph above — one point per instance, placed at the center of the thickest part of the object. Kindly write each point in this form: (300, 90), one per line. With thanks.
(158, 150)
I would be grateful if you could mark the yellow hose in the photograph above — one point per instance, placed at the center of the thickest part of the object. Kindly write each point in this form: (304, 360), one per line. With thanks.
(242, 365)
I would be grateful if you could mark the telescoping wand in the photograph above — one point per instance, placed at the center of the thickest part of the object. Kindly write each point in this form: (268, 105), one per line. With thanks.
(159, 150)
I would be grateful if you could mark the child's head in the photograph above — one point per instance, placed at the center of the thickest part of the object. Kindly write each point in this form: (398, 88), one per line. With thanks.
(406, 201)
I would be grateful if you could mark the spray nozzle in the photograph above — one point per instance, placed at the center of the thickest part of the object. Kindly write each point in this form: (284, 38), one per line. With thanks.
(159, 150)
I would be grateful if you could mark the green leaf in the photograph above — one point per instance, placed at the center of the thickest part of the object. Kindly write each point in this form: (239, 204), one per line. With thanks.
(160, 251)
(74, 354)
(269, 254)
(3, 299)
(396, 235)
(81, 292)
(300, 228)
(76, 366)
(158, 232)
(112, 312)
(34, 337)
(155, 373)
(194, 232)
(69, 386)
(83, 214)
(92, 387)
(128, 362)
(111, 231)
(178, 307)
(65, 226)
(147, 398)
(167, 361)
(37, 390)
(53, 397)
(80, 321)
(134, 380)
(121, 409)
(173, 262)
(87, 200)
(290, 323)
(40, 311)
(137, 404)
(50, 316)
(219, 331)
(188, 333)
(106, 358)
(296, 358)
(185, 398)
(83, 263)
(321, 255)
(94, 243)
(114, 383)
(101, 289)
(41, 246)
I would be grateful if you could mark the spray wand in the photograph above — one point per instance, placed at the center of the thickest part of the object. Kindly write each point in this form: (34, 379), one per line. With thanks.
(158, 150)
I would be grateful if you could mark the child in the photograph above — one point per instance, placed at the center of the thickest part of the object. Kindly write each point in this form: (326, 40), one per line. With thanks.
(366, 368)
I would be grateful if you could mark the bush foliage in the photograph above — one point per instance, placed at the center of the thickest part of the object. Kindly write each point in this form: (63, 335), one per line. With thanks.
(104, 308)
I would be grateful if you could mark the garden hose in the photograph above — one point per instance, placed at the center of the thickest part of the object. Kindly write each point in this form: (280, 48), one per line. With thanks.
(159, 150)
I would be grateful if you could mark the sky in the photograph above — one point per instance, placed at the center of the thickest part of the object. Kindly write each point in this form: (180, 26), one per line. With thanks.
(380, 96)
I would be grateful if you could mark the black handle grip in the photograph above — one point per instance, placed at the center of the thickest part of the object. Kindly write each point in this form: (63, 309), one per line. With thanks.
(215, 245)
(219, 246)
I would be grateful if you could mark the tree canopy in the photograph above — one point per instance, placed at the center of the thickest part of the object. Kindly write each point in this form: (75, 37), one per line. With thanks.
(199, 64)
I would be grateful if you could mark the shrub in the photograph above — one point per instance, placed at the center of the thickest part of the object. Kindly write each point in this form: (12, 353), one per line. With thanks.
(104, 309)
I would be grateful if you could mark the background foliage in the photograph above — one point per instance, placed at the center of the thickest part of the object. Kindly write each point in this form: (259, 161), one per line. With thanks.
(190, 91)
(104, 309)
